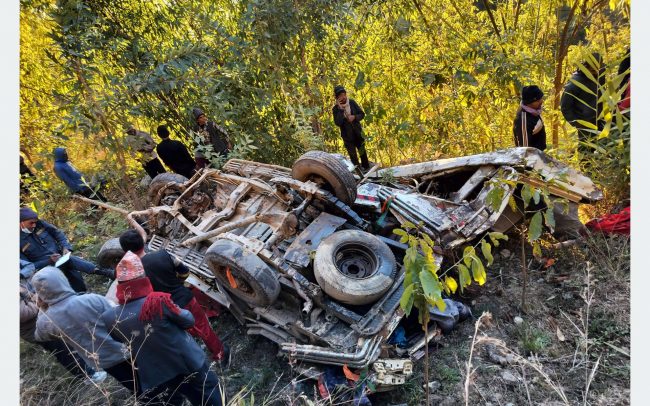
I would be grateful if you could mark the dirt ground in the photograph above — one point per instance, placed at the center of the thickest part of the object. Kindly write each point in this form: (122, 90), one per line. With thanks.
(570, 346)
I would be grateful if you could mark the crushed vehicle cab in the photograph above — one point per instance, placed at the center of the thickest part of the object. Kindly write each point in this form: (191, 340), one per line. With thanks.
(306, 256)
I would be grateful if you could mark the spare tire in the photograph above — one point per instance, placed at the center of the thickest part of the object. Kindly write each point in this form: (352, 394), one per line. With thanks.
(354, 267)
(250, 279)
(110, 254)
(159, 182)
(324, 169)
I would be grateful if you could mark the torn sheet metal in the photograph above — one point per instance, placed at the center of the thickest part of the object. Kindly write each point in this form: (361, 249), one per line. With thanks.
(307, 241)
(531, 158)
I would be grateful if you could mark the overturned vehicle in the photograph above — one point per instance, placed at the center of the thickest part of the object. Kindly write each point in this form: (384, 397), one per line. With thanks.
(306, 256)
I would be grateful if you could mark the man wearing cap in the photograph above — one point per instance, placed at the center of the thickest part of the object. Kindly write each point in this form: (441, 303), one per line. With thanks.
(213, 139)
(169, 361)
(145, 149)
(578, 104)
(528, 126)
(348, 115)
(43, 244)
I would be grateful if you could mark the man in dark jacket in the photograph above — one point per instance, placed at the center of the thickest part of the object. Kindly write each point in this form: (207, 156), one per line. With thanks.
(169, 361)
(528, 126)
(43, 244)
(168, 274)
(174, 154)
(578, 104)
(144, 147)
(214, 139)
(72, 178)
(348, 115)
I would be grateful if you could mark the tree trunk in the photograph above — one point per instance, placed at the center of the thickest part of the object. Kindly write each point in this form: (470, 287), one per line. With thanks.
(559, 69)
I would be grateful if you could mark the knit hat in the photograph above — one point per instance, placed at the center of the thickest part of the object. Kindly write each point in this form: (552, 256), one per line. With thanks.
(162, 131)
(338, 90)
(197, 112)
(27, 214)
(531, 94)
(129, 268)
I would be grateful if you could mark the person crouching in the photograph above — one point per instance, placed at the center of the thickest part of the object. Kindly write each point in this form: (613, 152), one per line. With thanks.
(170, 363)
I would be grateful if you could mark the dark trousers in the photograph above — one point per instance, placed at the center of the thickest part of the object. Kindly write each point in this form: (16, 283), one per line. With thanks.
(70, 361)
(72, 271)
(200, 388)
(153, 168)
(352, 148)
(90, 194)
(201, 163)
(125, 373)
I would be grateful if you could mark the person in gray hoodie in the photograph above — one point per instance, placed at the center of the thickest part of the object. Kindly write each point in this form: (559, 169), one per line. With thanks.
(76, 319)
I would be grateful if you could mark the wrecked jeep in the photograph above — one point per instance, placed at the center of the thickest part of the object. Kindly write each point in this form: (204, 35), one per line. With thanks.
(306, 256)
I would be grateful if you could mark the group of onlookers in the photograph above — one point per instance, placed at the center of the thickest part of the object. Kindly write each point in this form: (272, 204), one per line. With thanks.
(144, 340)
(209, 140)
(580, 105)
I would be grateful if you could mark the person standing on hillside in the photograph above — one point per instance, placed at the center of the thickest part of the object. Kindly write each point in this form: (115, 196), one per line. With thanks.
(579, 102)
(145, 150)
(214, 139)
(174, 154)
(528, 126)
(348, 115)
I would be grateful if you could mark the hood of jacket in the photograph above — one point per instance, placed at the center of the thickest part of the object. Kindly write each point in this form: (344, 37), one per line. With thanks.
(60, 155)
(51, 285)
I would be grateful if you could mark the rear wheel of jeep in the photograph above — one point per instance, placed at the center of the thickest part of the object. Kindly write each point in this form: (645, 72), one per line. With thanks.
(354, 267)
(328, 172)
(110, 254)
(243, 273)
(160, 181)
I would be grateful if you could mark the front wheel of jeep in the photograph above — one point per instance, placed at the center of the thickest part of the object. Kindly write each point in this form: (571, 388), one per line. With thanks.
(243, 273)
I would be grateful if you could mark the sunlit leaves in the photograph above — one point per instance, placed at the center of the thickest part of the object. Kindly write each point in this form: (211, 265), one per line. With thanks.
(535, 227)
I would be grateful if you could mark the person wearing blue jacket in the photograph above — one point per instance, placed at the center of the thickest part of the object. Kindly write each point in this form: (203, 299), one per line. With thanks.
(43, 244)
(72, 178)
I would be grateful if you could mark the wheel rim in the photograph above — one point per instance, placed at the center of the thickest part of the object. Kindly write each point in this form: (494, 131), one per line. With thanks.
(240, 284)
(356, 261)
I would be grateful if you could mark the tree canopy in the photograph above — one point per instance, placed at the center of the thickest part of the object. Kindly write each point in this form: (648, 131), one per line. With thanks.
(435, 77)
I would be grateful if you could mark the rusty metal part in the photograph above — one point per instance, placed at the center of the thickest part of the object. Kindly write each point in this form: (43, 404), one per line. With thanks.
(102, 204)
(259, 170)
(371, 170)
(228, 227)
(235, 197)
(299, 251)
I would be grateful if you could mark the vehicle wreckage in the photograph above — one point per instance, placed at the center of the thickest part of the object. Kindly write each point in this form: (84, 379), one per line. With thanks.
(305, 256)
